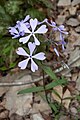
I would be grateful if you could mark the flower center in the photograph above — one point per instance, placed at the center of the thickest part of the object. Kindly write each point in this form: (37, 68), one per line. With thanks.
(21, 33)
(30, 56)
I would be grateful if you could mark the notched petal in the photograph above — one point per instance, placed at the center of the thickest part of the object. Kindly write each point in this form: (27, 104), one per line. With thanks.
(39, 56)
(23, 64)
(33, 24)
(36, 40)
(32, 47)
(41, 30)
(34, 66)
(25, 39)
(21, 51)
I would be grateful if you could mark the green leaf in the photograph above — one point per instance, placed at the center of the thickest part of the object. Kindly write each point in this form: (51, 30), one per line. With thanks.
(55, 83)
(48, 70)
(7, 49)
(30, 90)
(40, 88)
(53, 106)
(3, 68)
(12, 65)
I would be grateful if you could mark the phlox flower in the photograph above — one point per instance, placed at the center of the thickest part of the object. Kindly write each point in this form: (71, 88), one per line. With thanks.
(39, 56)
(23, 21)
(61, 30)
(18, 30)
(33, 24)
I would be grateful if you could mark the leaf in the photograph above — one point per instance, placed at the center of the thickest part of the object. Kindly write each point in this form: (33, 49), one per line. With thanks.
(41, 88)
(45, 116)
(7, 49)
(55, 83)
(66, 102)
(30, 90)
(48, 70)
(53, 106)
(64, 98)
(58, 90)
(12, 65)
(3, 68)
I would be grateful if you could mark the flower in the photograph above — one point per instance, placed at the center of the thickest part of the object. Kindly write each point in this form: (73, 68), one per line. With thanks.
(56, 51)
(18, 23)
(23, 64)
(41, 30)
(61, 30)
(18, 30)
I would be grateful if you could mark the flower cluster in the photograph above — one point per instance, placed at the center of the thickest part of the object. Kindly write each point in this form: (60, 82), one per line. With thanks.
(27, 28)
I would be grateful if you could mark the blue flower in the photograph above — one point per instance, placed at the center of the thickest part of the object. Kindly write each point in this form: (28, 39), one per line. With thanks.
(61, 30)
(33, 24)
(39, 56)
(19, 29)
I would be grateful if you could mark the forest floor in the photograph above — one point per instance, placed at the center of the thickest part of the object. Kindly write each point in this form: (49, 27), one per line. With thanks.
(33, 106)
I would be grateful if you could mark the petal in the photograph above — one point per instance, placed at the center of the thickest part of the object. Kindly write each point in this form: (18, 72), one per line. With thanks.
(42, 29)
(26, 18)
(55, 29)
(27, 25)
(33, 66)
(64, 32)
(56, 52)
(63, 47)
(23, 64)
(33, 24)
(16, 36)
(36, 40)
(21, 51)
(13, 30)
(61, 36)
(53, 23)
(32, 47)
(24, 28)
(40, 56)
(61, 27)
(25, 39)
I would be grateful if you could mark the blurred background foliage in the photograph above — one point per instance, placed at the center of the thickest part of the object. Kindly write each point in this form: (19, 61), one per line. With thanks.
(10, 12)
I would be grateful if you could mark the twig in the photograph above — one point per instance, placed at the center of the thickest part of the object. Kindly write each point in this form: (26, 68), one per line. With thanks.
(21, 83)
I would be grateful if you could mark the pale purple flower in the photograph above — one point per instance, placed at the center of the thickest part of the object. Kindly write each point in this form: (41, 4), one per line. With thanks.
(56, 51)
(18, 23)
(62, 41)
(16, 32)
(61, 30)
(23, 64)
(41, 30)
(19, 29)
